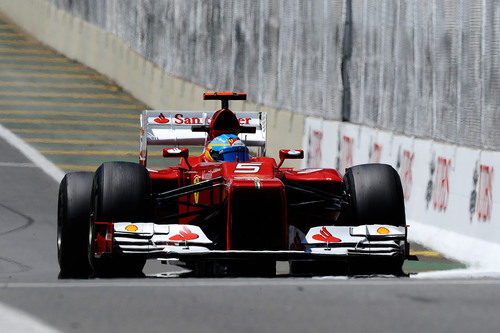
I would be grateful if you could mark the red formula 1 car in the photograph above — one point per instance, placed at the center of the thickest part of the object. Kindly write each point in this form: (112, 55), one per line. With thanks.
(228, 212)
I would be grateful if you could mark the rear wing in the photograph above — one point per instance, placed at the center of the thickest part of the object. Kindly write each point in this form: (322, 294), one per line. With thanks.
(174, 128)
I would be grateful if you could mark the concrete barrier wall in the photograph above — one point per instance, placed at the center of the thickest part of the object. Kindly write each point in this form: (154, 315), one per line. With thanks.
(427, 68)
(285, 54)
(446, 187)
(424, 68)
(109, 55)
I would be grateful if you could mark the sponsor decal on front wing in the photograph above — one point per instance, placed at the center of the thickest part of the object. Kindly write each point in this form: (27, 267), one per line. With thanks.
(184, 235)
(325, 236)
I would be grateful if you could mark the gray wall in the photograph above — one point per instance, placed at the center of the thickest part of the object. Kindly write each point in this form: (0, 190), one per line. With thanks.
(428, 68)
(423, 68)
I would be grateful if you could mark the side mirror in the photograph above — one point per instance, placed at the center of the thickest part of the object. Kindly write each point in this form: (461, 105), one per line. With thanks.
(177, 152)
(290, 154)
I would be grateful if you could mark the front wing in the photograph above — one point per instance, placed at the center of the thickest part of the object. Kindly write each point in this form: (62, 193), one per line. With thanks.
(188, 242)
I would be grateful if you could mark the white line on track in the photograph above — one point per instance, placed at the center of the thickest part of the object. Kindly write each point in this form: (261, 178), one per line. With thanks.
(14, 320)
(18, 165)
(32, 154)
(250, 283)
(468, 273)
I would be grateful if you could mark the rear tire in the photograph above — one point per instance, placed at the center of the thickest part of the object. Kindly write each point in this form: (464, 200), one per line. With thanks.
(121, 192)
(73, 215)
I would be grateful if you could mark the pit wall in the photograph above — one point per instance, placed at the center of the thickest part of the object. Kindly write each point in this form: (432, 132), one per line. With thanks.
(446, 187)
(110, 56)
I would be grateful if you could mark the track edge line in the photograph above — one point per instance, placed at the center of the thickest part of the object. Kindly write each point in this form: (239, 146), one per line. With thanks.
(32, 154)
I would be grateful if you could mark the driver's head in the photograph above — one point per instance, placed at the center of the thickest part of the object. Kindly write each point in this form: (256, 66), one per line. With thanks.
(227, 148)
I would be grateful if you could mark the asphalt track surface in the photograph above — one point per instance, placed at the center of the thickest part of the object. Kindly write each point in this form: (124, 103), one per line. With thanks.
(35, 103)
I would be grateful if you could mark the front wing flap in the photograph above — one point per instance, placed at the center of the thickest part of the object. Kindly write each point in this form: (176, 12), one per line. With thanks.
(188, 242)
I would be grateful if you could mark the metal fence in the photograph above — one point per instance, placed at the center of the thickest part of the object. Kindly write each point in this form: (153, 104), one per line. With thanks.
(429, 68)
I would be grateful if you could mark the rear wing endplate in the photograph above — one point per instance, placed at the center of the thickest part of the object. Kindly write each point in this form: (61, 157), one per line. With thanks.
(174, 128)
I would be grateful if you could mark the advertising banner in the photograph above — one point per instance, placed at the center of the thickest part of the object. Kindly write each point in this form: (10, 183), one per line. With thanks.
(446, 186)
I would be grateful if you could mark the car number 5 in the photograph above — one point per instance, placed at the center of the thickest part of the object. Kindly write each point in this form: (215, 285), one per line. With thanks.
(247, 168)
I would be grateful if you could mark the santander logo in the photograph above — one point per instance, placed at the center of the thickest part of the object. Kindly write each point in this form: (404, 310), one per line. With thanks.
(184, 235)
(325, 236)
(161, 119)
(182, 119)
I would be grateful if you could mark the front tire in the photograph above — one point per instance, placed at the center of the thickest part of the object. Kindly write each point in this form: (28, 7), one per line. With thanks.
(376, 196)
(73, 215)
(121, 192)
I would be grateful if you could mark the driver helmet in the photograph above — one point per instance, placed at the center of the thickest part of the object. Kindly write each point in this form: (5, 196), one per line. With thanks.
(227, 148)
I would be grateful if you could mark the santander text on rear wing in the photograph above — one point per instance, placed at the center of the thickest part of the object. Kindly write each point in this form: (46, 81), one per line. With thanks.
(174, 128)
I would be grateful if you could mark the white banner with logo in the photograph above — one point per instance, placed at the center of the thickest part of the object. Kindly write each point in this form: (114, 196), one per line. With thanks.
(446, 186)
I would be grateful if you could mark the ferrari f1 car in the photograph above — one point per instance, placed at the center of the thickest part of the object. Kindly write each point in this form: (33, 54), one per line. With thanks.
(228, 212)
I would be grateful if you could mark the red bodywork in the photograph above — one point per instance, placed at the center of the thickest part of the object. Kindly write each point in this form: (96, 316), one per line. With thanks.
(249, 197)
(254, 207)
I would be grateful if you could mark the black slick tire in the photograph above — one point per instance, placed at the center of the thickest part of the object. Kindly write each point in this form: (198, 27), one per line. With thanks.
(376, 197)
(375, 194)
(121, 192)
(72, 224)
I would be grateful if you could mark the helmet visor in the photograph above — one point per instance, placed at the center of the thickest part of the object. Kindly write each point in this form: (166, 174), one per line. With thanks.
(233, 154)
(240, 155)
